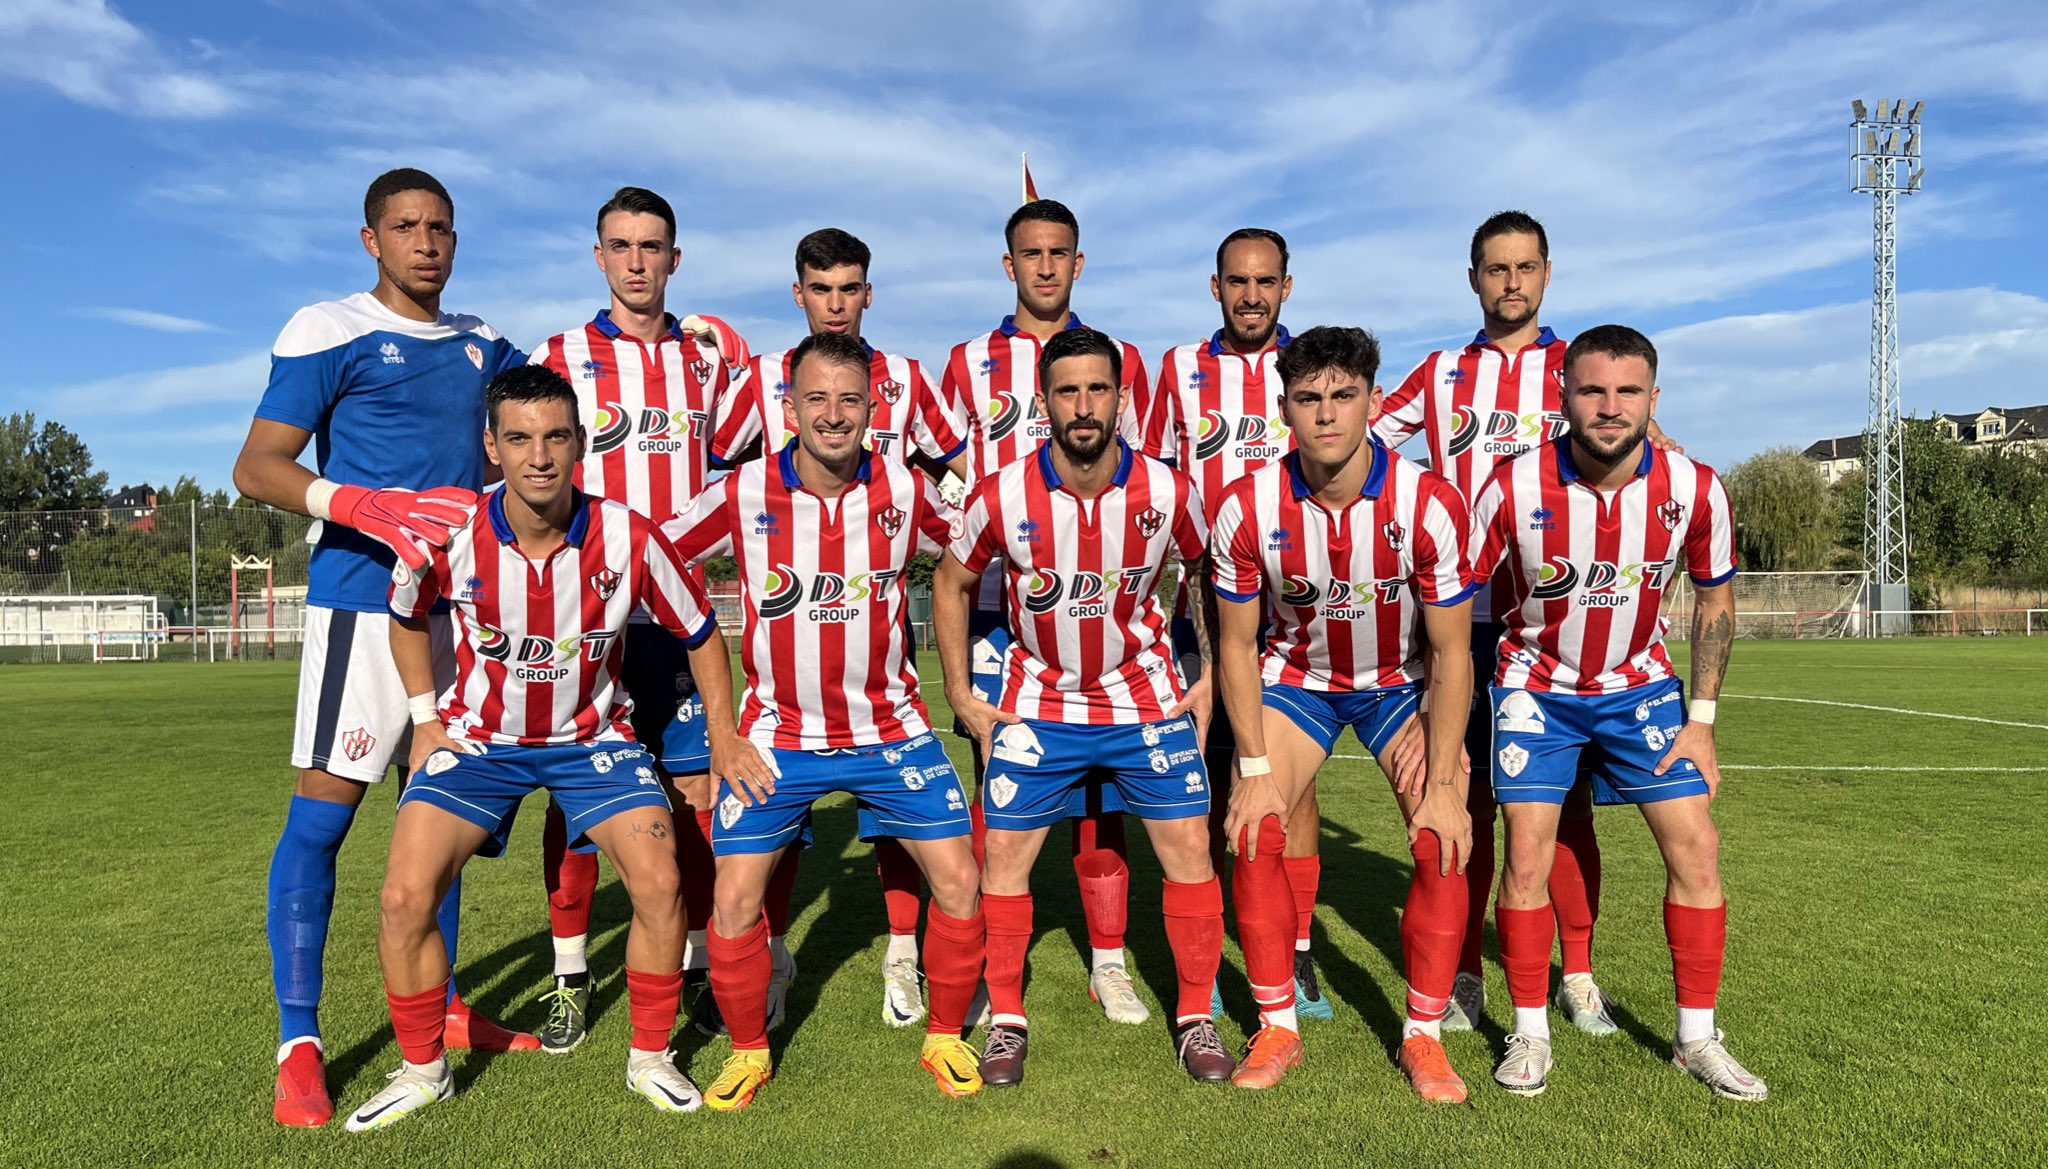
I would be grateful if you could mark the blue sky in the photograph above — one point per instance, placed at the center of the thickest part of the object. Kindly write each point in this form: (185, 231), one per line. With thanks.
(185, 176)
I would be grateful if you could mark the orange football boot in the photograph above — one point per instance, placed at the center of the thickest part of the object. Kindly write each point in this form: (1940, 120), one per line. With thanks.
(1273, 1051)
(1423, 1061)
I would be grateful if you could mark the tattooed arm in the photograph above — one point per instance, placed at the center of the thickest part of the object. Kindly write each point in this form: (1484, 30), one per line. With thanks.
(1713, 635)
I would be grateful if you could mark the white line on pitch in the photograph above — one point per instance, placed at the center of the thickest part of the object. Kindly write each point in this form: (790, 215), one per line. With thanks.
(1968, 718)
(1831, 768)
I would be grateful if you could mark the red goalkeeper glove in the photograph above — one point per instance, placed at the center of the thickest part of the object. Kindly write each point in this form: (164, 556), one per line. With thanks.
(732, 348)
(410, 523)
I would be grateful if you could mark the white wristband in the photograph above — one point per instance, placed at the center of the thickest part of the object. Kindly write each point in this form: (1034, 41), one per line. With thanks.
(1701, 710)
(424, 709)
(1251, 766)
(319, 497)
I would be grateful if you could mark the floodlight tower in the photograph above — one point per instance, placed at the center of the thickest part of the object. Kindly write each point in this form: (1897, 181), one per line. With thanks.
(1884, 163)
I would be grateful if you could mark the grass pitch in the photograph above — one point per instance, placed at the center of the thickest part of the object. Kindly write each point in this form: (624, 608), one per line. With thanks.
(1885, 946)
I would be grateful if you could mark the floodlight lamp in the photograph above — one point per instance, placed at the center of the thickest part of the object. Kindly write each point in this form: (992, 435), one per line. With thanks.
(1870, 174)
(1915, 115)
(1917, 176)
(1884, 109)
(1856, 107)
(1913, 143)
(1870, 142)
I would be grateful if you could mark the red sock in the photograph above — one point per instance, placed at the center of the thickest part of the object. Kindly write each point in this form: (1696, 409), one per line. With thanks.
(1101, 830)
(977, 828)
(1432, 926)
(1575, 892)
(740, 968)
(781, 887)
(693, 857)
(418, 1021)
(652, 1000)
(1699, 944)
(1194, 928)
(1105, 895)
(1266, 918)
(1525, 951)
(902, 884)
(1009, 939)
(1305, 877)
(1479, 871)
(571, 878)
(953, 952)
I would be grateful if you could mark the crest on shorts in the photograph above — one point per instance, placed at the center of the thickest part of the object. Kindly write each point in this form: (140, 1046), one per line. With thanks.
(891, 391)
(357, 743)
(604, 583)
(1395, 534)
(890, 521)
(475, 355)
(1150, 521)
(1672, 513)
(1512, 759)
(913, 778)
(441, 761)
(1002, 789)
(729, 810)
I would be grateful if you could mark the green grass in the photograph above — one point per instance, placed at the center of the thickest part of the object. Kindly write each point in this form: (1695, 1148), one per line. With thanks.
(1885, 941)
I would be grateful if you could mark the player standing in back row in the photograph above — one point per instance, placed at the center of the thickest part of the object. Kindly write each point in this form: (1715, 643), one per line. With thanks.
(393, 389)
(1587, 532)
(993, 380)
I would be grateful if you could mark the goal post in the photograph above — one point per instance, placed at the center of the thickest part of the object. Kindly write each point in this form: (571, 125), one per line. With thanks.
(1786, 605)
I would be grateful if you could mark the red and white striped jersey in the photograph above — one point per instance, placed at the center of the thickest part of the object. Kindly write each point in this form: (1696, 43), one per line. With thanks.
(650, 411)
(1088, 637)
(1582, 572)
(908, 410)
(1345, 588)
(992, 381)
(1216, 413)
(538, 643)
(826, 639)
(1478, 407)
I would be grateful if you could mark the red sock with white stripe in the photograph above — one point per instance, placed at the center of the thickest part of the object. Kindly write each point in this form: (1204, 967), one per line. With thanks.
(1699, 946)
(571, 880)
(1009, 940)
(653, 1001)
(1266, 924)
(902, 893)
(953, 951)
(1525, 953)
(1194, 929)
(740, 969)
(1432, 927)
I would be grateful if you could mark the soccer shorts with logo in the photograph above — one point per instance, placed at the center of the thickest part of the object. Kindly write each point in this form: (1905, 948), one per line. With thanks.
(668, 714)
(1322, 715)
(1541, 739)
(352, 715)
(988, 644)
(1035, 769)
(590, 782)
(906, 789)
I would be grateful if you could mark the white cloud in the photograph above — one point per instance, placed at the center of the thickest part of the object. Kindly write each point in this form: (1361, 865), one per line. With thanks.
(145, 319)
(93, 55)
(135, 395)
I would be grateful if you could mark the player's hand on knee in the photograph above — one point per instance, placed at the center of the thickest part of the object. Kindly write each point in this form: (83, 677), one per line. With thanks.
(1409, 753)
(1446, 816)
(410, 523)
(1252, 799)
(1695, 741)
(747, 772)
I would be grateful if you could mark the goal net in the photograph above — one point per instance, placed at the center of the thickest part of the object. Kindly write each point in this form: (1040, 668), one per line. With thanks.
(1785, 604)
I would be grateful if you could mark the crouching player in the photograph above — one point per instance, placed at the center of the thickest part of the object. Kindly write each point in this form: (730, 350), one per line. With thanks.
(541, 584)
(823, 533)
(1583, 676)
(1081, 527)
(1359, 556)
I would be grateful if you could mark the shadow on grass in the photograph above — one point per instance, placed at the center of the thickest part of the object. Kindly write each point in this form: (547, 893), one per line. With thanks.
(1366, 890)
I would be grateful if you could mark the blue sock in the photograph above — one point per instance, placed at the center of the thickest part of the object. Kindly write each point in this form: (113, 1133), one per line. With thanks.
(448, 919)
(301, 900)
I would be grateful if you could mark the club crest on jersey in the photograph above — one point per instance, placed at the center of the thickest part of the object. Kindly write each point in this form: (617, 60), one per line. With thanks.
(357, 743)
(391, 354)
(475, 355)
(1512, 760)
(1150, 521)
(1519, 713)
(1672, 513)
(1395, 534)
(604, 583)
(891, 391)
(1002, 789)
(890, 521)
(701, 368)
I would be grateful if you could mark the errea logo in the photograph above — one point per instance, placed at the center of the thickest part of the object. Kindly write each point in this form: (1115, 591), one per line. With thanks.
(391, 354)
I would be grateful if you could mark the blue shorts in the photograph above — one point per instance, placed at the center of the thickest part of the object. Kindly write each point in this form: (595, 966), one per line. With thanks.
(590, 782)
(668, 714)
(906, 789)
(988, 651)
(1322, 715)
(1543, 742)
(1036, 769)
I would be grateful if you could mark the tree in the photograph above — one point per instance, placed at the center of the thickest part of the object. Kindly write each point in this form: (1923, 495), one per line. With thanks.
(1784, 518)
(46, 468)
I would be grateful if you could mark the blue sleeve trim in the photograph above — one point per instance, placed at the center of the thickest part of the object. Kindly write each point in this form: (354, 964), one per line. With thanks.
(1240, 598)
(1463, 595)
(1710, 582)
(702, 634)
(955, 453)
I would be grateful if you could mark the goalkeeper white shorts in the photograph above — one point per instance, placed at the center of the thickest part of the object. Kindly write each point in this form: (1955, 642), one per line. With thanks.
(353, 721)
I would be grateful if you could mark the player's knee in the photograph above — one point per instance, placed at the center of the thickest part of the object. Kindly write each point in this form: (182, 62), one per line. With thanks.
(1694, 861)
(1527, 871)
(654, 887)
(407, 904)
(736, 908)
(955, 884)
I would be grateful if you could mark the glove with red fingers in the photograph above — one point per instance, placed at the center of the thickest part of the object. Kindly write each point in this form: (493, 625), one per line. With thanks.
(732, 348)
(410, 523)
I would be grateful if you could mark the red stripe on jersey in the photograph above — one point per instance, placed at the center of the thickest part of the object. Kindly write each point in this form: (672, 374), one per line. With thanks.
(992, 382)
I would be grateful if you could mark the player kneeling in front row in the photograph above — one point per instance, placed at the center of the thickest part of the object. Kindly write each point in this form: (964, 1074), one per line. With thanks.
(1358, 554)
(1082, 526)
(1582, 674)
(541, 582)
(823, 532)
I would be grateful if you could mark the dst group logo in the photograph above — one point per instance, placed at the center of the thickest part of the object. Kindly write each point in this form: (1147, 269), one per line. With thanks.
(832, 597)
(1504, 433)
(1006, 411)
(653, 432)
(1340, 600)
(1600, 584)
(1249, 438)
(1086, 594)
(536, 659)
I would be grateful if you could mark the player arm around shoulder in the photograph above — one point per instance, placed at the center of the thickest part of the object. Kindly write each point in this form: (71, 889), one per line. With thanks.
(1713, 636)
(1448, 683)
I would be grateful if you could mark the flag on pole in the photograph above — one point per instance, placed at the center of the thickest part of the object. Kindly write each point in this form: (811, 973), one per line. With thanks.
(1030, 188)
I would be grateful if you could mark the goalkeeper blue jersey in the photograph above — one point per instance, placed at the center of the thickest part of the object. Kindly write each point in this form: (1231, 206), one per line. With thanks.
(391, 402)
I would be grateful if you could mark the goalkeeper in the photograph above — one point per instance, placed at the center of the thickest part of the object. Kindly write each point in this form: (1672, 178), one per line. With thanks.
(392, 389)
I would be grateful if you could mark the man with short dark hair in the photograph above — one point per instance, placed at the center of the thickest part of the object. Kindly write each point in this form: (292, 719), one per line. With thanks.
(993, 380)
(393, 389)
(823, 533)
(1078, 531)
(1586, 532)
(1358, 557)
(541, 582)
